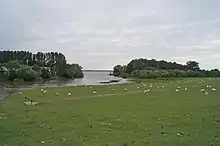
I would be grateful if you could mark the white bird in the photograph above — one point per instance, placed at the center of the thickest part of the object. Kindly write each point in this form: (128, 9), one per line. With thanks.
(146, 91)
(42, 142)
(69, 94)
(151, 85)
(206, 93)
(125, 89)
(109, 87)
(158, 87)
(202, 90)
(94, 92)
(42, 90)
(57, 94)
(178, 87)
(194, 86)
(163, 86)
(213, 89)
(20, 93)
(177, 90)
(186, 89)
(90, 87)
(138, 87)
(113, 89)
(145, 85)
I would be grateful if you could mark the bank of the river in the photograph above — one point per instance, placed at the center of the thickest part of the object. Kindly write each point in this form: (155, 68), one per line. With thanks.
(110, 117)
(90, 78)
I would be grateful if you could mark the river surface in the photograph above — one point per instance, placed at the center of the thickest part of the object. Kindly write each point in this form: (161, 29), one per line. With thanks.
(90, 78)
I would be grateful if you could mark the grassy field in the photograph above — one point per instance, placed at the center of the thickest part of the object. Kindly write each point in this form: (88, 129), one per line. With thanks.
(162, 117)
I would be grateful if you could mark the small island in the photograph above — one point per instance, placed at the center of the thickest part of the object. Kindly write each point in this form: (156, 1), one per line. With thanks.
(24, 66)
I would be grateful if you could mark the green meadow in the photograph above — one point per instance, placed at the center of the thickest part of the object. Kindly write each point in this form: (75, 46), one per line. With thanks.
(160, 117)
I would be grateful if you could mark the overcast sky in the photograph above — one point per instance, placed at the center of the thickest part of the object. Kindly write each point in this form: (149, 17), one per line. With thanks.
(99, 34)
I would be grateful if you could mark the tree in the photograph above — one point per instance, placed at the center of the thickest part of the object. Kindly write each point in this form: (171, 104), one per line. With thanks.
(144, 68)
(45, 73)
(214, 73)
(12, 67)
(73, 71)
(116, 70)
(47, 65)
(27, 73)
(192, 65)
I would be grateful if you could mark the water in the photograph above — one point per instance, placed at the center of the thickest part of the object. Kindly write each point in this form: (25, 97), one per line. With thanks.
(94, 78)
(90, 78)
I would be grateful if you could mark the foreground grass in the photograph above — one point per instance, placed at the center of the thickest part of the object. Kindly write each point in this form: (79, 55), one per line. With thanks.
(162, 117)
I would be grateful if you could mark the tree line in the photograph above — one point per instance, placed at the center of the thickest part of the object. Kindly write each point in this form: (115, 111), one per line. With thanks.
(24, 65)
(151, 69)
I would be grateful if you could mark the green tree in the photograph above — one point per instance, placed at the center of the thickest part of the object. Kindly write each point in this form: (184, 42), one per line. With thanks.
(116, 70)
(45, 73)
(214, 73)
(27, 73)
(192, 65)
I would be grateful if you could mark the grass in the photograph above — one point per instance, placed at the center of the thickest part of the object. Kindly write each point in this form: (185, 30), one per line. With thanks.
(162, 117)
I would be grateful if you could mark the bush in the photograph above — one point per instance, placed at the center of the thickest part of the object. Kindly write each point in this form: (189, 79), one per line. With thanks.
(45, 73)
(27, 74)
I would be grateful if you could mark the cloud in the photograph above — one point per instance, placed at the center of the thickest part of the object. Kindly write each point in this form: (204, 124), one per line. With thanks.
(100, 34)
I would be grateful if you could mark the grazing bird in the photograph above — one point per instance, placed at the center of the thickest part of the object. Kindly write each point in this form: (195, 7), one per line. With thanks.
(125, 89)
(151, 85)
(209, 86)
(42, 90)
(69, 94)
(158, 87)
(20, 93)
(94, 92)
(90, 87)
(138, 87)
(163, 86)
(213, 89)
(206, 93)
(146, 91)
(202, 90)
(177, 90)
(113, 89)
(178, 87)
(186, 89)
(57, 94)
(145, 85)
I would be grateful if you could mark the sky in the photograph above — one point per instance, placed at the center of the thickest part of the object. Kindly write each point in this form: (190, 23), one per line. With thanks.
(99, 34)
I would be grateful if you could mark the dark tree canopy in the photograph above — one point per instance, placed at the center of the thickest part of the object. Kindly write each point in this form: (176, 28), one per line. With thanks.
(28, 66)
(144, 68)
(192, 65)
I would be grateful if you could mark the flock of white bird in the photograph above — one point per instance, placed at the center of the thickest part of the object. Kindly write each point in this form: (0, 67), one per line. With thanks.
(178, 88)
(194, 86)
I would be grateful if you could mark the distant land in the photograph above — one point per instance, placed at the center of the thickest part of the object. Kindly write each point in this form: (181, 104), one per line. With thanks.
(96, 70)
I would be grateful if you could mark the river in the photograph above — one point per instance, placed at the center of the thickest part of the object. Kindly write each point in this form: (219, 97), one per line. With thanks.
(90, 78)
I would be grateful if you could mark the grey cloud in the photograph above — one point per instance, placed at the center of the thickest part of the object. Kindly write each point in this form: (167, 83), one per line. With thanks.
(102, 33)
